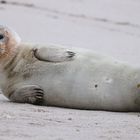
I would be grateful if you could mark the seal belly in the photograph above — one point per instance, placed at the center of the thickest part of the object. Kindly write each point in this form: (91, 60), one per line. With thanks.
(92, 84)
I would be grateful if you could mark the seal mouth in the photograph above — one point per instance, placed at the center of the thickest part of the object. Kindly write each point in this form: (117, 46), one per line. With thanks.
(2, 50)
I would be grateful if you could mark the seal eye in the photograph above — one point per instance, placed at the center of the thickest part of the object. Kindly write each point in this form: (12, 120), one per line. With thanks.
(1, 36)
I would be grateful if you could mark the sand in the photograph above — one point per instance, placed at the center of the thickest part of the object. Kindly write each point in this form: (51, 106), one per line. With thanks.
(107, 27)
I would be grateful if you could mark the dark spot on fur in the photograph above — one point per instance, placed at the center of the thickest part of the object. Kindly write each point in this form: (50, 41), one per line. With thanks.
(26, 76)
(11, 74)
(138, 85)
(96, 86)
(3, 1)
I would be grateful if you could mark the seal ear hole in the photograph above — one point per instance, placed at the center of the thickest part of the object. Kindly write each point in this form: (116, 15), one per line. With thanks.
(1, 36)
(96, 86)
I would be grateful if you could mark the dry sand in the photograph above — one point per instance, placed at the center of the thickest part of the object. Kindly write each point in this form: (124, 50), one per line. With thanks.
(110, 27)
(23, 121)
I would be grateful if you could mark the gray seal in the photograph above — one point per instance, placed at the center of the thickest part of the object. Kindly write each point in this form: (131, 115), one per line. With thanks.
(57, 76)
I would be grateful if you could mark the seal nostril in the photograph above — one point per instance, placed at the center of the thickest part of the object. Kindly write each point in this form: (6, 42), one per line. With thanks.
(1, 36)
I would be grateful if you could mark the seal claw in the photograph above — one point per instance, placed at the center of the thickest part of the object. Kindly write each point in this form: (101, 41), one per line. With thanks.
(70, 54)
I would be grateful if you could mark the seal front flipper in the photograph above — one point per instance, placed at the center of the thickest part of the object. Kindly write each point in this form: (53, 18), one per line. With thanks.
(53, 54)
(31, 94)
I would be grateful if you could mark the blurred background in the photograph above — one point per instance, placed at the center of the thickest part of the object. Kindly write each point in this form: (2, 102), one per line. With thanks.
(110, 27)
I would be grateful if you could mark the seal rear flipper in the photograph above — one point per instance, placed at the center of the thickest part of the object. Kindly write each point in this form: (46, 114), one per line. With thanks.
(53, 54)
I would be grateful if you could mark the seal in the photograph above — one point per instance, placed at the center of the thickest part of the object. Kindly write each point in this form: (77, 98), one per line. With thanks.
(73, 78)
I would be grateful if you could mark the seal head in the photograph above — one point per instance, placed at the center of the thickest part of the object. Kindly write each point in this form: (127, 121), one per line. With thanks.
(9, 40)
